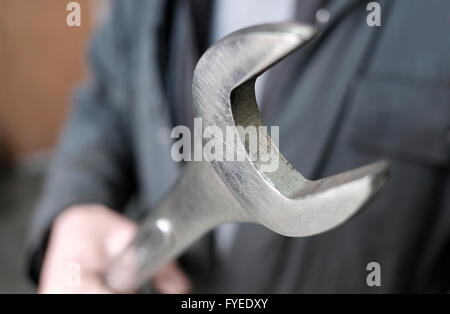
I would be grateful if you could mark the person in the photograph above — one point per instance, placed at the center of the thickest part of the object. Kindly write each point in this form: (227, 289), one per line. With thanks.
(358, 93)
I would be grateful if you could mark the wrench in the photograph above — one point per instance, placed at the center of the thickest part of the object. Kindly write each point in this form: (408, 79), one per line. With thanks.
(212, 193)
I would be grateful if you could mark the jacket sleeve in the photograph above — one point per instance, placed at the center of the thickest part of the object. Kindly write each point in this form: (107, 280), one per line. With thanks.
(93, 163)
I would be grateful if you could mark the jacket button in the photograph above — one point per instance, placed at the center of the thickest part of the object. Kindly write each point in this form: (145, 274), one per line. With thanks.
(322, 16)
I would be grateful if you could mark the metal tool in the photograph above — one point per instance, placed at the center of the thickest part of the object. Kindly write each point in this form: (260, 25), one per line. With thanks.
(212, 193)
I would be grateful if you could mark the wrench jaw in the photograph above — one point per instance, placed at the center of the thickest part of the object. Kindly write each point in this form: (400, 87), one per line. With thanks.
(327, 203)
(223, 96)
(282, 200)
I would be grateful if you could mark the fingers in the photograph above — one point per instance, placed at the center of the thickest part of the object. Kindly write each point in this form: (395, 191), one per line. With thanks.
(171, 280)
(82, 242)
(120, 233)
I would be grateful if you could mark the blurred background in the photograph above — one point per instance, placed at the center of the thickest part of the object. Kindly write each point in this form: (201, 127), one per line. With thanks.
(42, 55)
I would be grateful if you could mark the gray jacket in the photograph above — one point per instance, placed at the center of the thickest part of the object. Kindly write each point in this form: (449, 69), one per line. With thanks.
(355, 95)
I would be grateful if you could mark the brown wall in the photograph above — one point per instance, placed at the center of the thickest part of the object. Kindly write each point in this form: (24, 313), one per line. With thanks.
(41, 61)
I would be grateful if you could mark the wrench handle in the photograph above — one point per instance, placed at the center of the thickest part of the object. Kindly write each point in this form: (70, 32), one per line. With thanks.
(142, 257)
(198, 202)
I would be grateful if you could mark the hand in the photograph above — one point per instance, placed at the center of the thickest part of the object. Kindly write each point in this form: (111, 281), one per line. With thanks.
(83, 241)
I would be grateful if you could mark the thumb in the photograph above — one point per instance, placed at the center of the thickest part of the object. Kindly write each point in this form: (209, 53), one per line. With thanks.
(171, 280)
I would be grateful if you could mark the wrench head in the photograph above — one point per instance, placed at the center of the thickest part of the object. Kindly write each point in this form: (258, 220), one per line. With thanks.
(224, 96)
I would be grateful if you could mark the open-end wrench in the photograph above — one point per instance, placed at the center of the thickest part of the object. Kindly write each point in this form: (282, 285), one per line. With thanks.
(212, 193)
